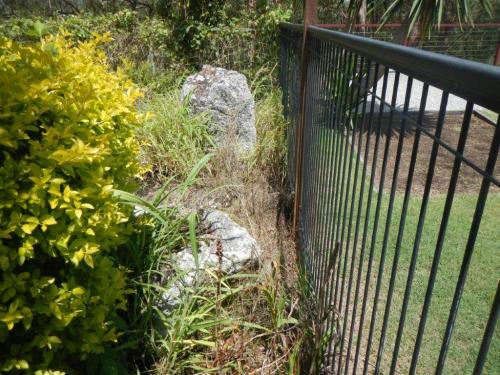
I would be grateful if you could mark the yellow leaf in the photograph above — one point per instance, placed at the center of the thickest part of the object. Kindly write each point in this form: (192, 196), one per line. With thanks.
(62, 242)
(49, 221)
(4, 140)
(77, 257)
(56, 311)
(53, 203)
(67, 194)
(21, 364)
(78, 291)
(55, 189)
(29, 227)
(54, 340)
(92, 249)
(89, 260)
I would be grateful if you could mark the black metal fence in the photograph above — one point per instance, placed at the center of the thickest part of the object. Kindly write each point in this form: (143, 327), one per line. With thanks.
(398, 221)
(478, 42)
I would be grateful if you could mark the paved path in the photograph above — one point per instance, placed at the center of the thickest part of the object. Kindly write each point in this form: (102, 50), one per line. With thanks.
(455, 103)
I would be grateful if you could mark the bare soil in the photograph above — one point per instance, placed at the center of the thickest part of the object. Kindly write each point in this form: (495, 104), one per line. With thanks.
(476, 151)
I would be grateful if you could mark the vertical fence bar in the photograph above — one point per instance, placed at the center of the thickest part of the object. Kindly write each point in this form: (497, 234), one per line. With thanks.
(497, 54)
(328, 242)
(305, 216)
(368, 211)
(335, 146)
(305, 156)
(305, 175)
(339, 235)
(324, 191)
(317, 195)
(310, 18)
(343, 134)
(358, 223)
(354, 65)
(315, 199)
(345, 245)
(337, 161)
(331, 252)
(338, 64)
(377, 213)
(351, 157)
(420, 227)
(388, 221)
(488, 334)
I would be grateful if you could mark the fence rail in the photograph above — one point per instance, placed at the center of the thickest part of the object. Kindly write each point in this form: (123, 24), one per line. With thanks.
(398, 205)
(479, 42)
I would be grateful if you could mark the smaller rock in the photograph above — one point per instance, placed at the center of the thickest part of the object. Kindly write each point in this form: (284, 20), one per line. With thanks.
(239, 250)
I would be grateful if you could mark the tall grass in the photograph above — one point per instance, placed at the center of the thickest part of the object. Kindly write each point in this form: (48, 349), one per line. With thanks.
(220, 321)
(270, 152)
(172, 140)
(160, 230)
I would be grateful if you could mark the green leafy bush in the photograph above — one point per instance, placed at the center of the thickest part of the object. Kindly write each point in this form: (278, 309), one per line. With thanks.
(240, 39)
(147, 44)
(66, 140)
(163, 49)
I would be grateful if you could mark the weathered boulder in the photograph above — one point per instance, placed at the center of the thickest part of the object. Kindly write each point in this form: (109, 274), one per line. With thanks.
(226, 97)
(238, 250)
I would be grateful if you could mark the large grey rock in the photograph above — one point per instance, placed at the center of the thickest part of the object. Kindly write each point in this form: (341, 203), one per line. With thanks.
(238, 248)
(226, 97)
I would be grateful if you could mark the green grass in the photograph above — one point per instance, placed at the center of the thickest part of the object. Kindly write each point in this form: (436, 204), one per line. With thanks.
(172, 140)
(270, 151)
(478, 292)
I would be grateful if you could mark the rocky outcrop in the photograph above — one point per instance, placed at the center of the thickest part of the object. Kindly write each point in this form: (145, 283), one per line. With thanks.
(226, 97)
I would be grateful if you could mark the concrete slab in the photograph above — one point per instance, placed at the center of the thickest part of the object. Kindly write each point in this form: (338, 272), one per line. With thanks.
(455, 103)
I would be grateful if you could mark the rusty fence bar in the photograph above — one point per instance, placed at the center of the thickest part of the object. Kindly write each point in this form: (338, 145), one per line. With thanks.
(397, 202)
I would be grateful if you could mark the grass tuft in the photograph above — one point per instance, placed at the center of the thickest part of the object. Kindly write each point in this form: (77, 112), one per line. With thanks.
(270, 152)
(172, 140)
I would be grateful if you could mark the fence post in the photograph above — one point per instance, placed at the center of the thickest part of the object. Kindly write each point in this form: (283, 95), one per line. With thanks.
(310, 18)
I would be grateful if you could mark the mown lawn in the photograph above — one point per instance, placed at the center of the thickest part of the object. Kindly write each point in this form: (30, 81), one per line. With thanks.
(478, 293)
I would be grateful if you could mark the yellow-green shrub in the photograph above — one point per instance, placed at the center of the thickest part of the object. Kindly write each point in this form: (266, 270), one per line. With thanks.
(66, 140)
